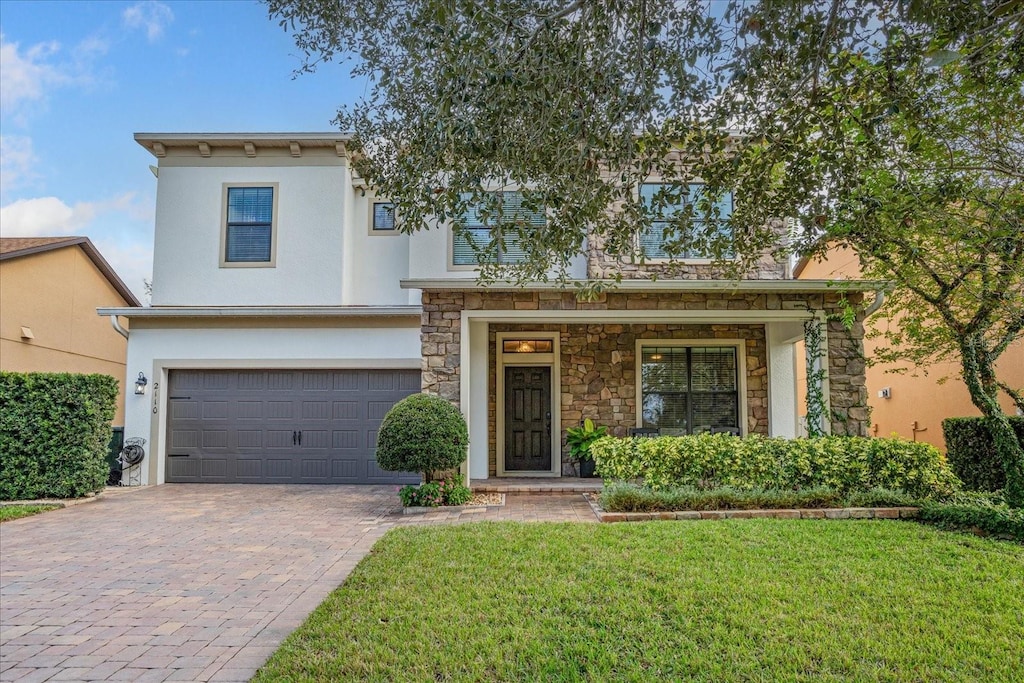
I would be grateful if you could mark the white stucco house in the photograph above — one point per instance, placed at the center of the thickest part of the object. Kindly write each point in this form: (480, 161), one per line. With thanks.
(288, 315)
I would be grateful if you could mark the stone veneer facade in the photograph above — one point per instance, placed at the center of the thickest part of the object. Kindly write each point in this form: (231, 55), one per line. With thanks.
(598, 364)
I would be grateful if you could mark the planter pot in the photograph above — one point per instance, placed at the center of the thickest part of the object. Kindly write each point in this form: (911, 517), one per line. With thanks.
(587, 469)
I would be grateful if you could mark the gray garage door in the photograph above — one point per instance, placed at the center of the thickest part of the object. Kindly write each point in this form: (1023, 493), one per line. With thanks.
(281, 426)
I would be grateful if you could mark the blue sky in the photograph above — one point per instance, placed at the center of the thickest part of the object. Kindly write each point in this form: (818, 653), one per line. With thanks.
(77, 79)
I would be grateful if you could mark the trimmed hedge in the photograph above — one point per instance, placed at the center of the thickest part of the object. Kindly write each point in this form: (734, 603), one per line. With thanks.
(623, 497)
(54, 430)
(843, 463)
(972, 454)
(422, 433)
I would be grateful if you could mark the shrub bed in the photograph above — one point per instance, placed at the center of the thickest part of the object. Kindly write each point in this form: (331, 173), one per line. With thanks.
(625, 497)
(844, 464)
(54, 429)
(434, 493)
(987, 513)
(972, 453)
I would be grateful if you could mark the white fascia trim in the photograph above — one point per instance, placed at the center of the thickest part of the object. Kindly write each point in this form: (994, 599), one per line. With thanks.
(654, 285)
(266, 312)
(241, 137)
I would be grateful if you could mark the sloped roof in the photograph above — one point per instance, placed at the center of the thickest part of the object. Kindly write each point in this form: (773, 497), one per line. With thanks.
(15, 247)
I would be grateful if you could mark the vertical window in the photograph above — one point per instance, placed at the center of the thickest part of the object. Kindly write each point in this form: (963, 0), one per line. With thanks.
(476, 230)
(383, 217)
(689, 390)
(248, 236)
(664, 206)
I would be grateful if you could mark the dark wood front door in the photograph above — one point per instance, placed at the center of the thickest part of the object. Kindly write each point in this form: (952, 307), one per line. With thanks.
(527, 419)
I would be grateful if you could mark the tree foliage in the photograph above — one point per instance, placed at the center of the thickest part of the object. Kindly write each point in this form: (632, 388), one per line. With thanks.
(895, 127)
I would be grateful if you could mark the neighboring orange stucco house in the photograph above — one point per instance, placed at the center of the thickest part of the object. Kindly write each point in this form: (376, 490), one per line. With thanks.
(50, 288)
(917, 405)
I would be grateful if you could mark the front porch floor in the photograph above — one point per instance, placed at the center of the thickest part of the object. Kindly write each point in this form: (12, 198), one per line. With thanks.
(535, 485)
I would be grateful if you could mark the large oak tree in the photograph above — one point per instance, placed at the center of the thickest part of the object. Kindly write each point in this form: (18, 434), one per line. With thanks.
(895, 127)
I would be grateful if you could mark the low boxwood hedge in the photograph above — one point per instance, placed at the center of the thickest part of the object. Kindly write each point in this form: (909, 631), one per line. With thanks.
(54, 429)
(972, 454)
(625, 497)
(976, 512)
(841, 463)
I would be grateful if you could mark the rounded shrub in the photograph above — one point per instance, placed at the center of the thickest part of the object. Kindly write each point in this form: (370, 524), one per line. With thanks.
(422, 433)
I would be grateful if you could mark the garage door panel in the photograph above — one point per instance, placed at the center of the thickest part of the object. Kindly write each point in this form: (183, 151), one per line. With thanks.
(243, 425)
(249, 468)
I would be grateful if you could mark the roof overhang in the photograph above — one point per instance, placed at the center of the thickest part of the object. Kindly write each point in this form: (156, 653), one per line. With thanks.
(203, 144)
(265, 312)
(766, 286)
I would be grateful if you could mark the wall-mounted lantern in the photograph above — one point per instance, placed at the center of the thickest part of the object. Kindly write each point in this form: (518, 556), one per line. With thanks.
(140, 385)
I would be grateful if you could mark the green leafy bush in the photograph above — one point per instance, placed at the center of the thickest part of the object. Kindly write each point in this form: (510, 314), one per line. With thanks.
(972, 454)
(434, 493)
(54, 429)
(422, 433)
(709, 461)
(624, 497)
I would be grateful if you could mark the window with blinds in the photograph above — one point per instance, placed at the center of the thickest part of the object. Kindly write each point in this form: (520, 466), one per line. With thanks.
(250, 224)
(664, 206)
(689, 390)
(475, 230)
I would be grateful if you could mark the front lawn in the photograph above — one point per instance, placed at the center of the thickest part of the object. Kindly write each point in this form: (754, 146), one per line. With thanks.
(9, 512)
(738, 600)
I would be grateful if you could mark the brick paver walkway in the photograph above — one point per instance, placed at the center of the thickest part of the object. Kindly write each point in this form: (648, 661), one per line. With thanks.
(193, 582)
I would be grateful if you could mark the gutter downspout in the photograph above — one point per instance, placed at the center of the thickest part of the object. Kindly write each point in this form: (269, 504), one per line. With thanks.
(116, 324)
(877, 303)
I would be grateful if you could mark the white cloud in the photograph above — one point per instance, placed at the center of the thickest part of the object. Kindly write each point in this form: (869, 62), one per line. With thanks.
(17, 162)
(30, 75)
(26, 75)
(49, 216)
(150, 15)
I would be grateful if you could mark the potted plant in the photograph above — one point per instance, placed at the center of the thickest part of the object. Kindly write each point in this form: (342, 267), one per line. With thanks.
(579, 439)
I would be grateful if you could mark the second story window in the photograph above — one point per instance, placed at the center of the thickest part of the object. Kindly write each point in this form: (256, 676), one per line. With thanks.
(249, 226)
(478, 228)
(665, 206)
(383, 219)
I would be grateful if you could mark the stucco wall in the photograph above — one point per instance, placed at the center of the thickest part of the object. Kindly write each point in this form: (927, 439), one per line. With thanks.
(56, 293)
(310, 207)
(918, 394)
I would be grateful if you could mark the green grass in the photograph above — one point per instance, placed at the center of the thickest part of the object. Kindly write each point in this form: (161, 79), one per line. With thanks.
(9, 512)
(737, 600)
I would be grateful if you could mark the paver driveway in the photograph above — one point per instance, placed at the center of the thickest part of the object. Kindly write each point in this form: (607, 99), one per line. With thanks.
(176, 582)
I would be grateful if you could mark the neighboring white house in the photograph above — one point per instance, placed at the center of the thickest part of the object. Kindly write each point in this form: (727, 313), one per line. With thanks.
(288, 315)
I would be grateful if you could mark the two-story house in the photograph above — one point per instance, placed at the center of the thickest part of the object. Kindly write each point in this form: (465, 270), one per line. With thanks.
(288, 315)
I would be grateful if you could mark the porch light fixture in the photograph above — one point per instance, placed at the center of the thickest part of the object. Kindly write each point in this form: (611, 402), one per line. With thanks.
(526, 346)
(140, 385)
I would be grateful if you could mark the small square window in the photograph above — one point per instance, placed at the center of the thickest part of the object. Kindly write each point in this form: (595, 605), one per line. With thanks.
(383, 217)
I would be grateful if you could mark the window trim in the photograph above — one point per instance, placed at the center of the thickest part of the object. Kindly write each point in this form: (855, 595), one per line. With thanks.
(740, 345)
(370, 230)
(465, 267)
(272, 263)
(697, 260)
